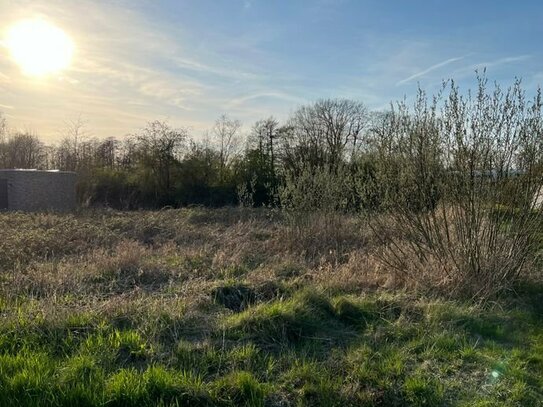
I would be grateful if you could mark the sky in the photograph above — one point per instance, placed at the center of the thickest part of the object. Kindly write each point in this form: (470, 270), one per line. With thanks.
(188, 62)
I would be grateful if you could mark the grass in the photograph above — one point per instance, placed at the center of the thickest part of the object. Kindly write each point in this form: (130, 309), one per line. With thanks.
(217, 308)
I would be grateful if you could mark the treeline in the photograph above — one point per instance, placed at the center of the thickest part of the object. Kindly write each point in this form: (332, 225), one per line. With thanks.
(453, 184)
(333, 155)
(163, 166)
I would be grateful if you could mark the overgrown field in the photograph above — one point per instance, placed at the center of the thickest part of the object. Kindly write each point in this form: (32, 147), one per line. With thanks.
(234, 307)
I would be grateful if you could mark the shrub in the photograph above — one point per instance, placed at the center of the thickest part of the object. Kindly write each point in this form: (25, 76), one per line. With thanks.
(444, 167)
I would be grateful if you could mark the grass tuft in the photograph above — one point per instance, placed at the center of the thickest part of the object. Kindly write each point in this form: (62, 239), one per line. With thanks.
(282, 322)
(240, 388)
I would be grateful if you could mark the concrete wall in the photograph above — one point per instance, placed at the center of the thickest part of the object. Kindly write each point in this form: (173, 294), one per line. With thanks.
(30, 190)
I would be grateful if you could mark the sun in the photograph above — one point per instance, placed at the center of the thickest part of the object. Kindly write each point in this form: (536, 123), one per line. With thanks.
(39, 47)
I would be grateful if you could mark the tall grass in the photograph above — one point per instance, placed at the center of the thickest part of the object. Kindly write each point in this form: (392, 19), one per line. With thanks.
(215, 308)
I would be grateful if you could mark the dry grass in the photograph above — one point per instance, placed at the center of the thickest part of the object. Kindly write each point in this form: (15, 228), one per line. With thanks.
(234, 307)
(113, 252)
(434, 251)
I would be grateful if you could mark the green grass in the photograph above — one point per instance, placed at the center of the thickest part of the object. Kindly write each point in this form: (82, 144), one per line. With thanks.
(309, 349)
(219, 332)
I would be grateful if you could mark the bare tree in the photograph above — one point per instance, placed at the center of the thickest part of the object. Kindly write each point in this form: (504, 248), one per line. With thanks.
(323, 132)
(75, 134)
(24, 150)
(266, 131)
(159, 147)
(106, 153)
(226, 131)
(3, 128)
(3, 139)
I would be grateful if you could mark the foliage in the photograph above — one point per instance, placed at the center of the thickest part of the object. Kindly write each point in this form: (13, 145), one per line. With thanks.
(445, 166)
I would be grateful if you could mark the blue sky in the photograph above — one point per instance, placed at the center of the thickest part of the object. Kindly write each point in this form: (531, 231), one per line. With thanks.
(190, 61)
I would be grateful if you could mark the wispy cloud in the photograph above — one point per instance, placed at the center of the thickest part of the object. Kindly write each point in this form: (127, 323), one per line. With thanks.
(122, 56)
(501, 61)
(4, 78)
(281, 96)
(428, 70)
(191, 61)
(491, 65)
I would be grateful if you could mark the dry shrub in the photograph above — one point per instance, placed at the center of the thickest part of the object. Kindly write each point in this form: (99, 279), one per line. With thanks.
(362, 272)
(438, 256)
(129, 266)
(46, 279)
(459, 176)
(322, 236)
(317, 206)
(31, 237)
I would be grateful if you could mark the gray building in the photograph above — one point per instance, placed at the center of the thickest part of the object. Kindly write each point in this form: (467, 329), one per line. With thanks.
(33, 190)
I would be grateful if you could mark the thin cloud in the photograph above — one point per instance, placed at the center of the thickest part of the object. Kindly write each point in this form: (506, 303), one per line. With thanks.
(428, 70)
(501, 61)
(469, 70)
(274, 95)
(4, 78)
(178, 80)
(199, 67)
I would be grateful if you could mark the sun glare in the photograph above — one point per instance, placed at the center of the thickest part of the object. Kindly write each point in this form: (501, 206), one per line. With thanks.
(39, 47)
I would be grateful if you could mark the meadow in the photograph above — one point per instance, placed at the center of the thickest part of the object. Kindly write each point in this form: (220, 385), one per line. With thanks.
(238, 307)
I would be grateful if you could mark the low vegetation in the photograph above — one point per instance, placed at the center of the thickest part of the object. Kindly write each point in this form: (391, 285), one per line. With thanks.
(240, 307)
(385, 259)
